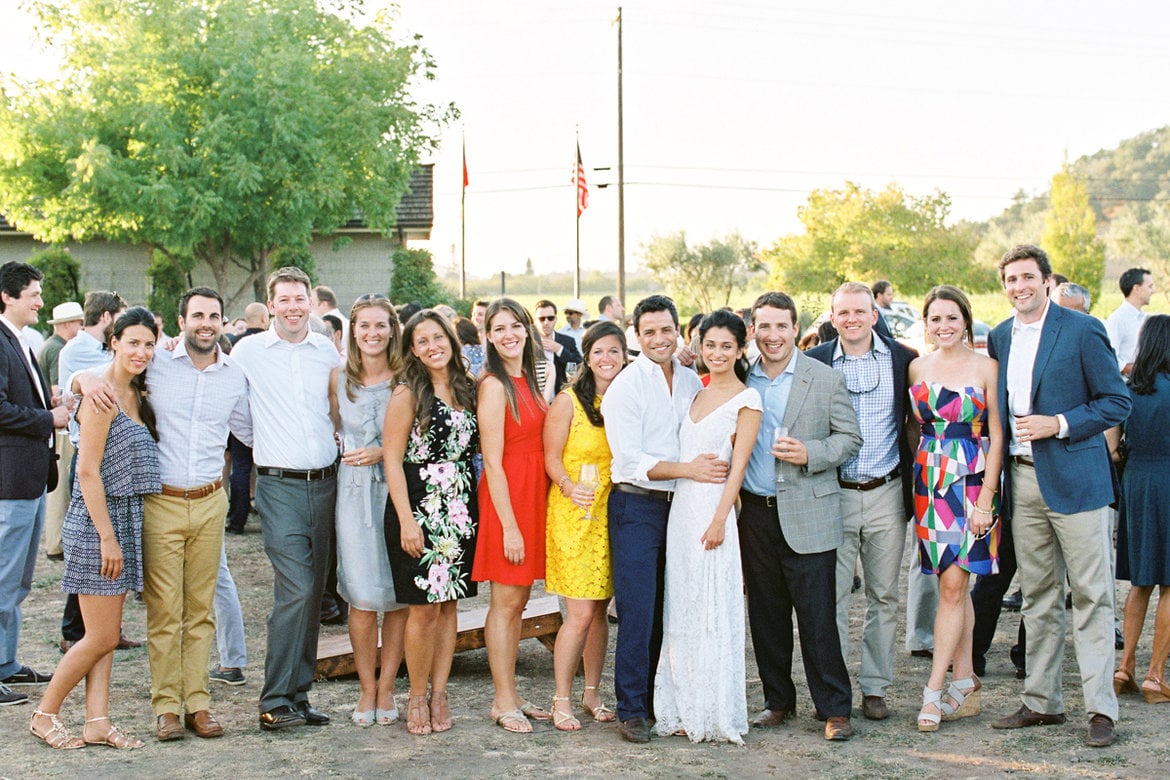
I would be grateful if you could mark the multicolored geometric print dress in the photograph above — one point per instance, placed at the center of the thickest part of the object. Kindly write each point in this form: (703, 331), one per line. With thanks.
(948, 475)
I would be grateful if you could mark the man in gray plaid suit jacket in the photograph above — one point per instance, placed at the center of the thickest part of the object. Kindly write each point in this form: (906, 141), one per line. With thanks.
(791, 524)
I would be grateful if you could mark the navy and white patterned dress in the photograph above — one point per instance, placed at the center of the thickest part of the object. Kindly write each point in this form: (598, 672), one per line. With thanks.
(129, 471)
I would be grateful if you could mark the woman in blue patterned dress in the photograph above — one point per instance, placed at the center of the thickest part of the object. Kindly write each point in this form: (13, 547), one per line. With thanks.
(373, 363)
(430, 437)
(117, 463)
(956, 478)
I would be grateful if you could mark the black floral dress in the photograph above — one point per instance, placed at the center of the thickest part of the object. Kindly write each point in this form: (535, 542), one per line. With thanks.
(440, 481)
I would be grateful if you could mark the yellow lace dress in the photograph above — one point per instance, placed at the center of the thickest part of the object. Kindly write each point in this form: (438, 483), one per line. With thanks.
(577, 564)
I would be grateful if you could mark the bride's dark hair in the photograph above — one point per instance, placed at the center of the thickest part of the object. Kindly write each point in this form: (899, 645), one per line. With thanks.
(723, 318)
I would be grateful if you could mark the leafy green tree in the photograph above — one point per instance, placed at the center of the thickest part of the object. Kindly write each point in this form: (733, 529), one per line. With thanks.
(215, 131)
(854, 234)
(1070, 233)
(1141, 237)
(167, 285)
(62, 280)
(704, 276)
(413, 279)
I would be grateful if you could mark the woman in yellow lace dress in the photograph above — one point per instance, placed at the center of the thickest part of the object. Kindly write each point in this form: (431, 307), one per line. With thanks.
(577, 531)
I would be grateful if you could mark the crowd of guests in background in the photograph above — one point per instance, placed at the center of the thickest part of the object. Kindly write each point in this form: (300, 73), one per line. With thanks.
(404, 455)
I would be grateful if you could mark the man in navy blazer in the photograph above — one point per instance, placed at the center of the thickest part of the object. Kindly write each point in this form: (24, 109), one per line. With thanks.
(27, 422)
(1059, 390)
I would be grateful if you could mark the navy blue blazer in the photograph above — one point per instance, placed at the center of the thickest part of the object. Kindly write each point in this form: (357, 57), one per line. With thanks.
(570, 354)
(26, 426)
(1075, 374)
(902, 355)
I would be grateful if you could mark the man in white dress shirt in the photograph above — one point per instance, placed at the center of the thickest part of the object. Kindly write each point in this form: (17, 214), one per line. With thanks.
(643, 409)
(1137, 285)
(291, 383)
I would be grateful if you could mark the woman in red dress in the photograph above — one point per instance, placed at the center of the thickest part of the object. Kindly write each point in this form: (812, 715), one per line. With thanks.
(510, 549)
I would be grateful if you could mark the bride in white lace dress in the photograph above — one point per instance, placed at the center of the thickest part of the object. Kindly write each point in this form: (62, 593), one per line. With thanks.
(699, 687)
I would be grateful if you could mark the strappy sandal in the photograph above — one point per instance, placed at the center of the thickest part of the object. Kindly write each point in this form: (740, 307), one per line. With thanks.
(1160, 696)
(530, 710)
(115, 737)
(564, 721)
(928, 721)
(57, 737)
(513, 720)
(600, 713)
(418, 715)
(362, 718)
(966, 704)
(1123, 682)
(386, 717)
(441, 721)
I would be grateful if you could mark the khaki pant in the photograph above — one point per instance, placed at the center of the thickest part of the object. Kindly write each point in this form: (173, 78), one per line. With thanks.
(181, 545)
(58, 501)
(1048, 544)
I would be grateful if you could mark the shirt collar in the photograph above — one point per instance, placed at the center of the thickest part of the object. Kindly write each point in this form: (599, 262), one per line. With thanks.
(1018, 326)
(878, 346)
(757, 369)
(15, 330)
(180, 353)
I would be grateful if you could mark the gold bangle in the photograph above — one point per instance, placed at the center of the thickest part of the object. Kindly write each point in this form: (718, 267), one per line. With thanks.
(983, 511)
(561, 485)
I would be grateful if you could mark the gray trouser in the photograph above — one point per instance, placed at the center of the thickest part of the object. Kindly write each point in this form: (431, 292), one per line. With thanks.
(297, 521)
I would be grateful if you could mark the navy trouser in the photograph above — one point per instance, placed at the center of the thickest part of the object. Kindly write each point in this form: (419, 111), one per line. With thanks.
(637, 539)
(240, 501)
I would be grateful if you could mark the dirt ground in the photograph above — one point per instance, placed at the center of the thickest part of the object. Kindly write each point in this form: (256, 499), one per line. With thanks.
(476, 747)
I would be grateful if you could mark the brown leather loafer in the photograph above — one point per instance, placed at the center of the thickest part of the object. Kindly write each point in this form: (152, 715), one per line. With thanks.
(1101, 732)
(125, 643)
(838, 728)
(1024, 717)
(204, 724)
(874, 708)
(771, 718)
(169, 727)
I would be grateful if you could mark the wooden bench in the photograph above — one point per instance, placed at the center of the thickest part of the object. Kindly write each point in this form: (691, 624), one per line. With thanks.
(541, 621)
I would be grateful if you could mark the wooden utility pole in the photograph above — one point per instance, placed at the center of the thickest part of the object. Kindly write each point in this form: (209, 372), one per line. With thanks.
(621, 166)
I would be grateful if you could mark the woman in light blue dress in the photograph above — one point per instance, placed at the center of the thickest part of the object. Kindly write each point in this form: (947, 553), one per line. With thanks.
(372, 366)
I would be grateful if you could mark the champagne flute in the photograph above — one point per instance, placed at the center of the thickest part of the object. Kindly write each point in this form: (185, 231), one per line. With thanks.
(589, 480)
(778, 433)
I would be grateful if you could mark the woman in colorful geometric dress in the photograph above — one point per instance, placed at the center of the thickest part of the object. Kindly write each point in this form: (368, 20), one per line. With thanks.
(956, 478)
(513, 498)
(577, 564)
(430, 437)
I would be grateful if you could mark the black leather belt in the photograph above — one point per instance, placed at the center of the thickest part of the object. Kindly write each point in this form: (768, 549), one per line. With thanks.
(312, 475)
(1023, 460)
(751, 498)
(634, 490)
(876, 482)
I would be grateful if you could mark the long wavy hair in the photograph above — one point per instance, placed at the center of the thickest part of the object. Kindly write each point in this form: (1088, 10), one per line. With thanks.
(584, 384)
(946, 292)
(353, 355)
(725, 318)
(1153, 354)
(418, 379)
(495, 364)
(138, 315)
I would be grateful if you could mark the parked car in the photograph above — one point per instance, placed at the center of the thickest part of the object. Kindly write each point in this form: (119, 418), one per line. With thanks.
(915, 337)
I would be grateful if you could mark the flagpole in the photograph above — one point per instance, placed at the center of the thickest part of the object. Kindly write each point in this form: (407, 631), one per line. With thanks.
(621, 173)
(463, 227)
(577, 214)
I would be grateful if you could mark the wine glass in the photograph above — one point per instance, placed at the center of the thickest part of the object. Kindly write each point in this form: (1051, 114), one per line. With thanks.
(589, 479)
(778, 433)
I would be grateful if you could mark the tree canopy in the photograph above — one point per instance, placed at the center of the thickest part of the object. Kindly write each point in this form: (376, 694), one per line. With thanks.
(414, 279)
(703, 275)
(854, 234)
(1070, 233)
(216, 131)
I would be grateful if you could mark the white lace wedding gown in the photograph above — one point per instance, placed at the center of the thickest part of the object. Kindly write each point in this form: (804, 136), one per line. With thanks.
(699, 687)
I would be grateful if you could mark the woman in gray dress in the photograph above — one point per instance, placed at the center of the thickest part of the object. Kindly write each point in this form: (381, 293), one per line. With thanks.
(372, 365)
(117, 463)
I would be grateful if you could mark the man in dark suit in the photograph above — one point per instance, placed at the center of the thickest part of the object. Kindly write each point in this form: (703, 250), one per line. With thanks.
(560, 347)
(877, 483)
(27, 422)
(1059, 390)
(791, 524)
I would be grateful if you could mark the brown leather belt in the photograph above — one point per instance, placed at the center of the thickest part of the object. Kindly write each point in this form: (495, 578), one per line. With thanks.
(876, 482)
(1023, 460)
(312, 475)
(634, 490)
(192, 493)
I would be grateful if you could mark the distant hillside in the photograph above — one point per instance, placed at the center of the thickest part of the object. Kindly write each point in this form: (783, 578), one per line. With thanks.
(1131, 177)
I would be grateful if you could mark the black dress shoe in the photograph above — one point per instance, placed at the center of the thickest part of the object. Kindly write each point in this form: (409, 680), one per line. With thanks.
(923, 653)
(281, 717)
(1014, 602)
(312, 716)
(1118, 640)
(979, 666)
(635, 730)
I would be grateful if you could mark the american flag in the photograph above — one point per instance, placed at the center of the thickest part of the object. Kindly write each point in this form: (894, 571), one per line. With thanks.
(582, 187)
